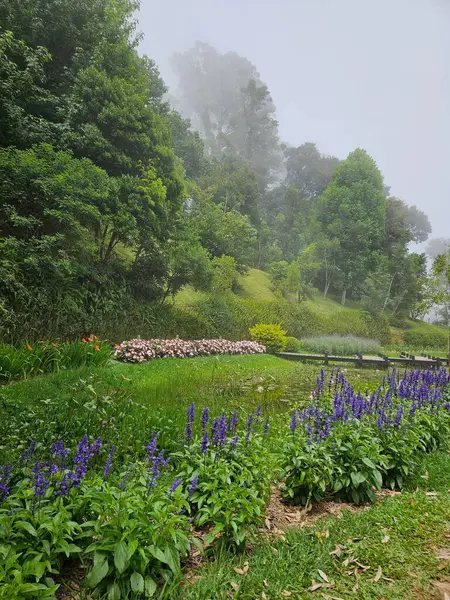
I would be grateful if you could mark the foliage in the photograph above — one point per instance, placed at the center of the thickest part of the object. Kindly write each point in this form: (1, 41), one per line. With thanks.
(225, 274)
(273, 337)
(226, 474)
(341, 345)
(292, 344)
(349, 444)
(45, 357)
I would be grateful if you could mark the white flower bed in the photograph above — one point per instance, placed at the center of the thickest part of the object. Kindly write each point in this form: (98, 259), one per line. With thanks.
(141, 350)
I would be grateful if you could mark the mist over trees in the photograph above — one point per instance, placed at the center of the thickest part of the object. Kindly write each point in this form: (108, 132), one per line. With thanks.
(113, 197)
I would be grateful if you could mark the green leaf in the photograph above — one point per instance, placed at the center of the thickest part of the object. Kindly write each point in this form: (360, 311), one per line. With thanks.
(137, 583)
(368, 463)
(27, 527)
(99, 572)
(114, 592)
(150, 587)
(120, 557)
(158, 554)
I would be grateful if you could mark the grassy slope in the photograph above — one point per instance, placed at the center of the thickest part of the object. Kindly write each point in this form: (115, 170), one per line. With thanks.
(256, 285)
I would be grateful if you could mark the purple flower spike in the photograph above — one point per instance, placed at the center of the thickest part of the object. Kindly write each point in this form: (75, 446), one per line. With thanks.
(205, 417)
(107, 468)
(249, 428)
(204, 441)
(176, 483)
(193, 486)
(189, 422)
(266, 427)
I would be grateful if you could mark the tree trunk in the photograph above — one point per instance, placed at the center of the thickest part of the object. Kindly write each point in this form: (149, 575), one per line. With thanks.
(326, 288)
(344, 296)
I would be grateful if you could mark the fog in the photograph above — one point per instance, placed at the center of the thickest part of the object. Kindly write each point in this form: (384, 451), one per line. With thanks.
(342, 74)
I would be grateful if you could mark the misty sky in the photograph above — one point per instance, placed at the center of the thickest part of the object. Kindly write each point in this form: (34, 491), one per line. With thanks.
(342, 73)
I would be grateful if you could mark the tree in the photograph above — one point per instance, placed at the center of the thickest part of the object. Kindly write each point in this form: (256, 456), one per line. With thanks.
(441, 272)
(230, 105)
(308, 170)
(352, 211)
(187, 145)
(253, 131)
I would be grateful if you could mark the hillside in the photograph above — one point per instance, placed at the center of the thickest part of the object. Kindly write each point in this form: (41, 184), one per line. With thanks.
(326, 315)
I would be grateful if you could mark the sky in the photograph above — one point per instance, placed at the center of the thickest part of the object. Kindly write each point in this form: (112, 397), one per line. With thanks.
(344, 74)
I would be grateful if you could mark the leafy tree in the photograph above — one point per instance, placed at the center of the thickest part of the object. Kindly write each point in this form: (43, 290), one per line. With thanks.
(225, 273)
(233, 186)
(221, 232)
(278, 273)
(352, 211)
(308, 170)
(187, 145)
(441, 272)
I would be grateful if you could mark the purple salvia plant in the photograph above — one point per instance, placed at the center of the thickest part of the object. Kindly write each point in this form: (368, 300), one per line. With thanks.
(6, 472)
(294, 421)
(108, 463)
(189, 422)
(249, 428)
(193, 486)
(176, 483)
(266, 427)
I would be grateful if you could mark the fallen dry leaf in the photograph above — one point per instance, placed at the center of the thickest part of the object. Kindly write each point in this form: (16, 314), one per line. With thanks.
(286, 593)
(328, 597)
(432, 494)
(315, 586)
(378, 575)
(238, 571)
(355, 588)
(411, 574)
(265, 583)
(443, 553)
(235, 586)
(385, 540)
(274, 551)
(245, 569)
(263, 596)
(268, 523)
(338, 550)
(323, 575)
(443, 587)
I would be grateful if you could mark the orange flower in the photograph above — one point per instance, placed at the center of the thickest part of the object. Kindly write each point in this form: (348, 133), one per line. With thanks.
(95, 337)
(97, 348)
(54, 345)
(117, 346)
(84, 340)
(30, 348)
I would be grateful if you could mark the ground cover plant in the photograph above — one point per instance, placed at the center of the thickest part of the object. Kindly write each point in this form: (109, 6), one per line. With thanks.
(347, 345)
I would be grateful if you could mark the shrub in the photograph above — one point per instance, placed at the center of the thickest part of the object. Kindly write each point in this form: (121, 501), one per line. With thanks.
(341, 345)
(292, 344)
(423, 338)
(271, 336)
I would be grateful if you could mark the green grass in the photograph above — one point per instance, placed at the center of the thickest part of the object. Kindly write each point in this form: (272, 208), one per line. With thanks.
(255, 284)
(415, 523)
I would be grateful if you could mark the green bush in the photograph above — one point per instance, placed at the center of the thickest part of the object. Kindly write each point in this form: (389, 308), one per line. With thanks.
(341, 345)
(292, 344)
(417, 338)
(270, 336)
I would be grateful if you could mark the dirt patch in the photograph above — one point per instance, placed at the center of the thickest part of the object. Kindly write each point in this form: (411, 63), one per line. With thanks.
(281, 516)
(443, 588)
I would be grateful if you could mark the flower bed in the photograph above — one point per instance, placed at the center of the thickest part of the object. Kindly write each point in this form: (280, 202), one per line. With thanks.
(350, 443)
(142, 350)
(131, 524)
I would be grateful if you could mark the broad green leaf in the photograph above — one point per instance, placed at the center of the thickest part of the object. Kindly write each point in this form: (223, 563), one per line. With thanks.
(120, 557)
(114, 592)
(98, 572)
(137, 582)
(150, 587)
(26, 527)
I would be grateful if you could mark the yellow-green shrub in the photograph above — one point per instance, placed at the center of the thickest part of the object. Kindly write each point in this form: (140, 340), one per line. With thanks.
(269, 335)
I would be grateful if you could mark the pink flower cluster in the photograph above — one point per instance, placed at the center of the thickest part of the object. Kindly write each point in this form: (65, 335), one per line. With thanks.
(141, 350)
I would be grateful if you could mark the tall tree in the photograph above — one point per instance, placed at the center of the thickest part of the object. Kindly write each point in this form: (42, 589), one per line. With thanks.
(352, 211)
(308, 170)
